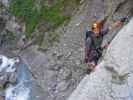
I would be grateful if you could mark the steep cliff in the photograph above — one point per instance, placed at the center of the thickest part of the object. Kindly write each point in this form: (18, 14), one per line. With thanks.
(57, 70)
(112, 79)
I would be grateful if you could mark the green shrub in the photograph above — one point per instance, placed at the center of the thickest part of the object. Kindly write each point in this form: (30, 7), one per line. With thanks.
(32, 17)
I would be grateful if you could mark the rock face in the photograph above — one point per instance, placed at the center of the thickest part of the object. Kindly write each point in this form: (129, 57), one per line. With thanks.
(59, 70)
(112, 79)
(5, 2)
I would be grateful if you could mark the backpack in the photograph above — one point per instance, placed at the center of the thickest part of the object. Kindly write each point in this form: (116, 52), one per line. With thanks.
(88, 34)
(97, 51)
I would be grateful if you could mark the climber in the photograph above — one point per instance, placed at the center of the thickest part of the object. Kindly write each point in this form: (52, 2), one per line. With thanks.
(93, 41)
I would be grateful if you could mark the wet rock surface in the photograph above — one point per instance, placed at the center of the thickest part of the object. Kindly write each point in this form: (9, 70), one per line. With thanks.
(8, 73)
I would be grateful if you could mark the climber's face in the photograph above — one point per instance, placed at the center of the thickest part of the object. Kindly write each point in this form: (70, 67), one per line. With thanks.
(96, 32)
(96, 29)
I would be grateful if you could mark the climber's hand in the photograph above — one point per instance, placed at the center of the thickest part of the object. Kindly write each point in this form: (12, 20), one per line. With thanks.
(104, 46)
(115, 24)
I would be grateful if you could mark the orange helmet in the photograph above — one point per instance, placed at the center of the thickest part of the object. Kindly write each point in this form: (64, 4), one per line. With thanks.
(96, 26)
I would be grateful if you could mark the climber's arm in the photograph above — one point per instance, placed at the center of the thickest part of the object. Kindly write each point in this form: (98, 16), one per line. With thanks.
(108, 29)
(114, 25)
(117, 23)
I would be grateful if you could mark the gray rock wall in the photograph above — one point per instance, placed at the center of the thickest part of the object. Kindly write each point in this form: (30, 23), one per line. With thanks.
(112, 79)
(5, 2)
(58, 70)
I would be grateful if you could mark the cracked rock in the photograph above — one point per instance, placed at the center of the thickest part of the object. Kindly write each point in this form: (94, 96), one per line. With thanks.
(62, 86)
(65, 74)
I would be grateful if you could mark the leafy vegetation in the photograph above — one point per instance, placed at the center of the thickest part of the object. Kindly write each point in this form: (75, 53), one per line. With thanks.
(34, 12)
